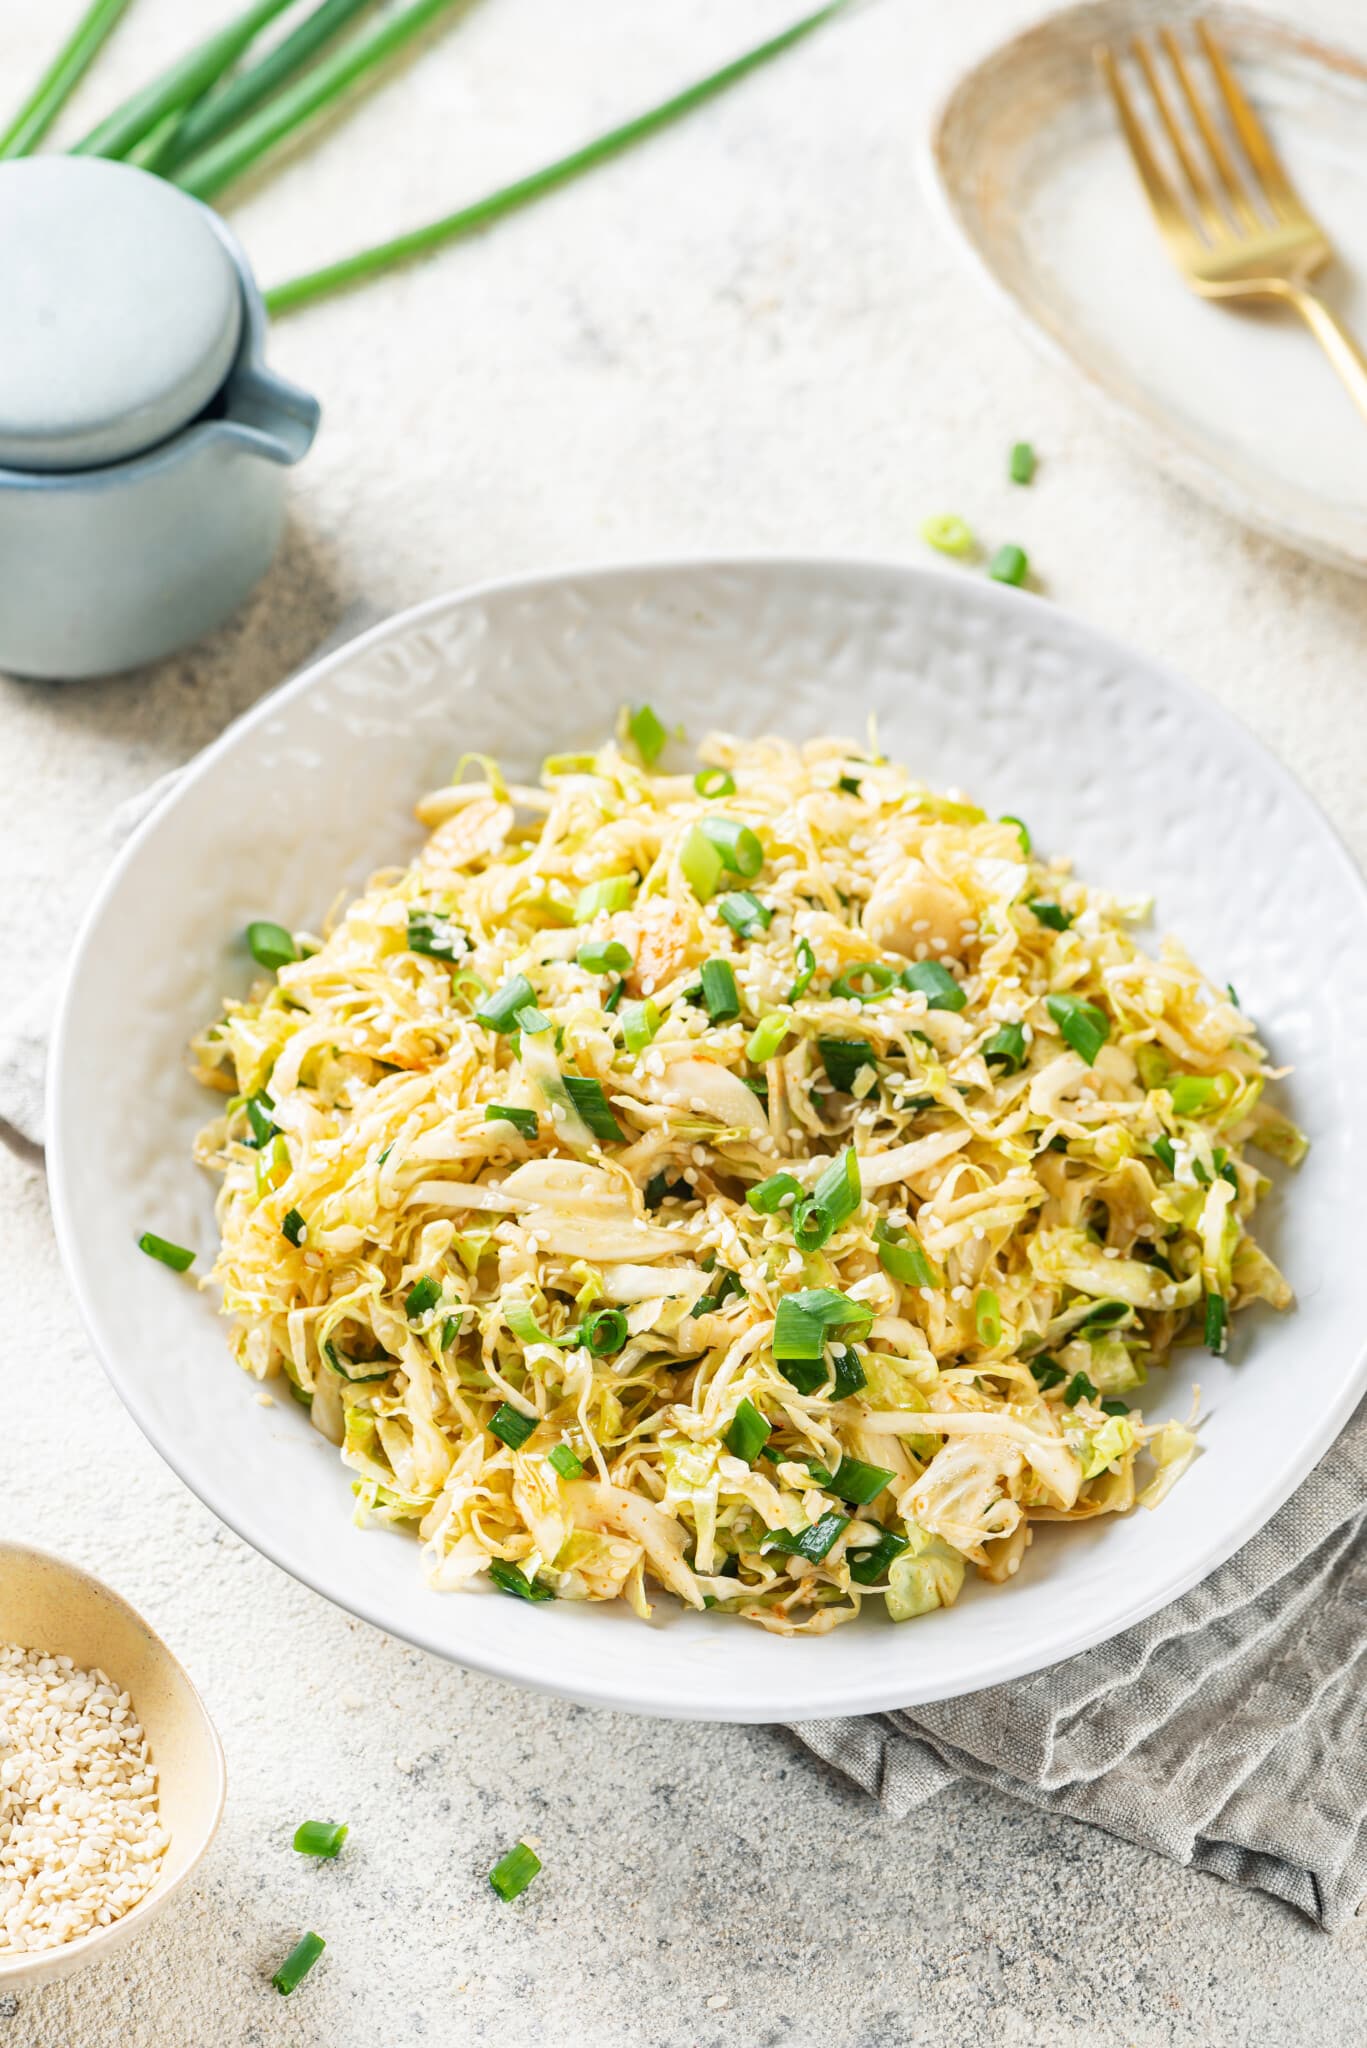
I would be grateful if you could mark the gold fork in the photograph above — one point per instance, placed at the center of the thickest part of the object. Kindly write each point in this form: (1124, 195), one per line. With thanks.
(1234, 233)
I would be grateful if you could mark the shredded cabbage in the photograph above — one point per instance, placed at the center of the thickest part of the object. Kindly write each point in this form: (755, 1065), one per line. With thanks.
(488, 1143)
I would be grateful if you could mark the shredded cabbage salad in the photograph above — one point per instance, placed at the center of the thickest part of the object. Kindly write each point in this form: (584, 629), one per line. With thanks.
(773, 1185)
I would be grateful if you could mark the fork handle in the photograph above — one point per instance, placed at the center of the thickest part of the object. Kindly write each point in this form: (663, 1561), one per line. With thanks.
(1334, 338)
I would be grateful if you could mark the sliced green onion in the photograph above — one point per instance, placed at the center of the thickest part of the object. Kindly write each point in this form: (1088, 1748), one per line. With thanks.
(59, 81)
(738, 846)
(422, 1296)
(1153, 1065)
(270, 945)
(258, 1108)
(868, 981)
(524, 1121)
(850, 1376)
(813, 1543)
(586, 1094)
(605, 1332)
(811, 1228)
(849, 785)
(721, 997)
(936, 984)
(661, 1188)
(843, 1057)
(1163, 1148)
(804, 1317)
(173, 1255)
(949, 534)
(320, 1837)
(450, 1330)
(1006, 1048)
(1191, 1093)
(511, 1426)
(345, 1367)
(614, 892)
(987, 1314)
(298, 1963)
(294, 1228)
(806, 968)
(1229, 991)
(530, 1019)
(640, 1022)
(839, 1190)
(1053, 914)
(521, 1320)
(509, 1579)
(272, 1166)
(465, 985)
(1077, 1386)
(1021, 463)
(769, 1196)
(499, 1012)
(1111, 1406)
(435, 935)
(901, 1255)
(869, 1565)
(1105, 1315)
(603, 956)
(566, 1462)
(1085, 1027)
(648, 734)
(767, 1036)
(701, 863)
(1010, 564)
(1023, 830)
(713, 782)
(745, 914)
(515, 1871)
(859, 1483)
(1216, 1320)
(808, 1375)
(747, 1433)
(1047, 1373)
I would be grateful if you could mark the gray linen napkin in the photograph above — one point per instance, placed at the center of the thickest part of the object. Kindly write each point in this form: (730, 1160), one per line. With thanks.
(1228, 1731)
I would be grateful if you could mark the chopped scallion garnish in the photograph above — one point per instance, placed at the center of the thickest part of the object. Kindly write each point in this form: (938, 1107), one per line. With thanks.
(509, 1579)
(713, 782)
(294, 1228)
(586, 1093)
(435, 935)
(511, 1426)
(867, 981)
(987, 1314)
(1085, 1027)
(603, 956)
(747, 1433)
(1006, 1048)
(721, 997)
(1078, 1386)
(900, 1255)
(173, 1255)
(1052, 914)
(949, 534)
(806, 968)
(524, 1121)
(936, 984)
(1191, 1093)
(1010, 564)
(701, 863)
(298, 1963)
(613, 893)
(320, 1837)
(1047, 1372)
(640, 1022)
(422, 1297)
(258, 1108)
(1022, 829)
(804, 1318)
(566, 1462)
(501, 1011)
(869, 1565)
(1163, 1149)
(843, 1057)
(737, 844)
(648, 733)
(745, 914)
(769, 1196)
(1021, 463)
(1215, 1323)
(850, 1377)
(515, 1871)
(767, 1036)
(813, 1543)
(858, 1483)
(1112, 1406)
(605, 1332)
(270, 945)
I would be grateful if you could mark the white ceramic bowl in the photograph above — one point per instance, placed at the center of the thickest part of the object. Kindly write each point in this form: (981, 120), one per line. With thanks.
(47, 1604)
(1135, 773)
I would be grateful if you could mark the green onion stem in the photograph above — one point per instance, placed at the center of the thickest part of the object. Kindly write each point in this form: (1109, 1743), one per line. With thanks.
(59, 81)
(367, 263)
(298, 1963)
(209, 170)
(178, 85)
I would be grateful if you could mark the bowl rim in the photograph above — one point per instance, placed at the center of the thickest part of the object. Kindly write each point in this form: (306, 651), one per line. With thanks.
(35, 1963)
(1003, 1665)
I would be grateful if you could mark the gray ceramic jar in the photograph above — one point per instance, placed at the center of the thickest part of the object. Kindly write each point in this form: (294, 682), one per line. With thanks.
(143, 441)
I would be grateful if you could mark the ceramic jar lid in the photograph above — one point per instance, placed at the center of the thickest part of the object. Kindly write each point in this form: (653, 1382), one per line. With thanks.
(123, 312)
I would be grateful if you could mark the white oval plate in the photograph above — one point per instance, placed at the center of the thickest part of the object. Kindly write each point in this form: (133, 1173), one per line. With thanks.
(1239, 404)
(1138, 775)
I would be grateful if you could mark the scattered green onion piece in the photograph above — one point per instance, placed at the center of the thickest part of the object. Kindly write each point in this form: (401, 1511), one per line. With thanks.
(436, 936)
(804, 1317)
(660, 1188)
(605, 1332)
(949, 534)
(530, 1019)
(936, 984)
(521, 1320)
(843, 1057)
(1230, 992)
(524, 1121)
(1085, 1027)
(811, 1228)
(1111, 1406)
(511, 1426)
(813, 1543)
(858, 1483)
(721, 997)
(1106, 1315)
(298, 1963)
(870, 1564)
(1006, 1048)
(868, 981)
(499, 1012)
(270, 945)
(848, 785)
(566, 1462)
(1021, 463)
(1047, 1372)
(713, 782)
(509, 1579)
(737, 844)
(258, 1108)
(808, 1375)
(604, 956)
(647, 733)
(272, 1166)
(701, 863)
(1052, 914)
(422, 1296)
(747, 1434)
(745, 914)
(839, 1190)
(613, 893)
(586, 1094)
(806, 968)
(450, 1330)
(1009, 818)
(345, 1367)
(1077, 1386)
(465, 983)
(767, 1036)
(987, 1314)
(1163, 1148)
(901, 1255)
(1010, 564)
(850, 1377)
(1191, 1093)
(1216, 1319)
(640, 1022)
(295, 1228)
(320, 1837)
(173, 1255)
(514, 1872)
(769, 1196)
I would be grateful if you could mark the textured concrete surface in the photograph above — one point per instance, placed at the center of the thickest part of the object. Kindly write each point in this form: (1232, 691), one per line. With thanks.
(752, 334)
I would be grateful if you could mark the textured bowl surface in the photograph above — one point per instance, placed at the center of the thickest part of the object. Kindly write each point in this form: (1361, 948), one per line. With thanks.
(1136, 774)
(47, 1604)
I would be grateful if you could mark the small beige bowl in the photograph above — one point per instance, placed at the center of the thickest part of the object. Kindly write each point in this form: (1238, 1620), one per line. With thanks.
(47, 1604)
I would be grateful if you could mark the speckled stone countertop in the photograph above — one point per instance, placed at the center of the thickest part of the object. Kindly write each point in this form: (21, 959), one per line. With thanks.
(751, 334)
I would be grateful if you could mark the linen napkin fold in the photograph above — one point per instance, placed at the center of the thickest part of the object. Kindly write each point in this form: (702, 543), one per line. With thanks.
(1229, 1731)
